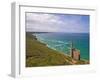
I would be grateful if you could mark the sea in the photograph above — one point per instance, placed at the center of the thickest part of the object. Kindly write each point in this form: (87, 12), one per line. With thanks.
(62, 42)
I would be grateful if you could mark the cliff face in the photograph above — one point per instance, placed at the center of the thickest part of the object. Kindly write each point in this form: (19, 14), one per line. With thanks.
(38, 54)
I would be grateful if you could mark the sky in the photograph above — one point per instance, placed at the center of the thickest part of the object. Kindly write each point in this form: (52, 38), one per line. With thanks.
(49, 22)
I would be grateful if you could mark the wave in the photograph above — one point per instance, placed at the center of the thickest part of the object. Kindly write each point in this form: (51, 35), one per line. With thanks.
(51, 47)
(53, 41)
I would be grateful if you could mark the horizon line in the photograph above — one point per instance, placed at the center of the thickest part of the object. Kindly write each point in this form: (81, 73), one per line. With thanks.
(59, 32)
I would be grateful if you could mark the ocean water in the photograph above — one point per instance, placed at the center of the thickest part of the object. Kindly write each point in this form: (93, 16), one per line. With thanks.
(61, 42)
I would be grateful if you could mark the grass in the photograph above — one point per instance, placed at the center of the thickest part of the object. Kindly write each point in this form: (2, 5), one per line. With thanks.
(38, 54)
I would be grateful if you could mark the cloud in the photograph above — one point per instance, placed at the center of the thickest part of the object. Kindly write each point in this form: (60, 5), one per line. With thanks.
(42, 22)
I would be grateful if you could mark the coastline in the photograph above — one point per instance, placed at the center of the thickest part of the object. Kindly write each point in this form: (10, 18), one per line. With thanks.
(58, 57)
(61, 42)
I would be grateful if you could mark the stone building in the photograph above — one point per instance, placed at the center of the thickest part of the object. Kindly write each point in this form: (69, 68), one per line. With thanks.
(75, 53)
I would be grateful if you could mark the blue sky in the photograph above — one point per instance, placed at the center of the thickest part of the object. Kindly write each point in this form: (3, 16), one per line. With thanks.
(46, 22)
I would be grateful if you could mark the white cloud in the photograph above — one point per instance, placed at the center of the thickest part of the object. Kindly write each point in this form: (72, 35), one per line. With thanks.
(42, 22)
(37, 22)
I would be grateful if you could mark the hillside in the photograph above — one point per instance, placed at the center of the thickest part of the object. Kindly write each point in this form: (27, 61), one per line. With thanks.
(38, 54)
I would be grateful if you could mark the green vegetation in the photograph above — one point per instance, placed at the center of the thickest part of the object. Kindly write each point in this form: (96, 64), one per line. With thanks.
(38, 54)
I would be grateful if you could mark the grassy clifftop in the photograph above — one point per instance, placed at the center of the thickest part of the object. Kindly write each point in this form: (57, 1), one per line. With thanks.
(38, 54)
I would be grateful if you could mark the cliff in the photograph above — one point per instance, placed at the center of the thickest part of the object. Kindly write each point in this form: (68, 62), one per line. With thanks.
(38, 54)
